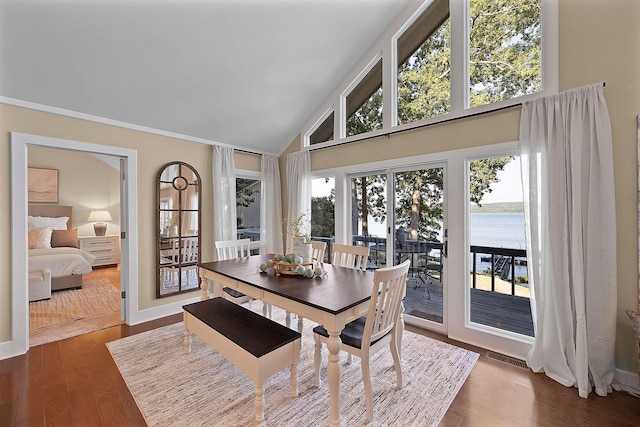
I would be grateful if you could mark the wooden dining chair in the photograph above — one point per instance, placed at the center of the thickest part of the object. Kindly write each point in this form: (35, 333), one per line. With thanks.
(367, 335)
(318, 250)
(350, 256)
(231, 249)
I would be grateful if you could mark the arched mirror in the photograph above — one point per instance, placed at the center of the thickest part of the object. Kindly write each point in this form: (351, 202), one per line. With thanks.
(178, 229)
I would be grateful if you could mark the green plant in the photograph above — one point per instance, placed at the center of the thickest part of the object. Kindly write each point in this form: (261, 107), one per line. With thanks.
(298, 228)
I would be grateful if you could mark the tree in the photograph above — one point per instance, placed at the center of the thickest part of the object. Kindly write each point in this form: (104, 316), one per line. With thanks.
(323, 222)
(483, 173)
(505, 62)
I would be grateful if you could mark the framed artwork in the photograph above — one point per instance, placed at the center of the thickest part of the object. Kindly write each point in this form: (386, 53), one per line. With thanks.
(42, 185)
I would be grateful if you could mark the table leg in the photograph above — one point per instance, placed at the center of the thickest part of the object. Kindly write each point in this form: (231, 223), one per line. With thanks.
(334, 373)
(204, 288)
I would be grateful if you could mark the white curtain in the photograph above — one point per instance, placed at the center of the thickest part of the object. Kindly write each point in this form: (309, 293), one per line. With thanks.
(225, 224)
(299, 187)
(567, 171)
(270, 206)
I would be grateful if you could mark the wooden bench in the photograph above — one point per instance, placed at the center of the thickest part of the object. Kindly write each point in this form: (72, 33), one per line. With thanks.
(255, 344)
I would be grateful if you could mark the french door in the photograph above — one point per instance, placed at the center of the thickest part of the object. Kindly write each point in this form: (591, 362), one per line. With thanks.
(400, 214)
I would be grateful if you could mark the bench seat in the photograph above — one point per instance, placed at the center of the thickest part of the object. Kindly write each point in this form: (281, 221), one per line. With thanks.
(256, 345)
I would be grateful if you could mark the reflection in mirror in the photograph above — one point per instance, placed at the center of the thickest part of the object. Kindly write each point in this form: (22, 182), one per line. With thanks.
(177, 229)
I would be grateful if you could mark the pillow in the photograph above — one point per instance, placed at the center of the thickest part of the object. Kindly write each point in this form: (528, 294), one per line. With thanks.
(58, 223)
(40, 238)
(60, 238)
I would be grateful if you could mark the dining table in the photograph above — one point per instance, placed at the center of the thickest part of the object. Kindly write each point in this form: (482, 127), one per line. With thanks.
(335, 298)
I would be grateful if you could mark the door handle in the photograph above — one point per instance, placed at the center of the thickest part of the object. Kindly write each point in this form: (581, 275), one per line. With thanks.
(445, 249)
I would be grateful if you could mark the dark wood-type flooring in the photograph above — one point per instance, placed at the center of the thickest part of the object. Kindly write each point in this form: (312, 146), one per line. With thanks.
(75, 382)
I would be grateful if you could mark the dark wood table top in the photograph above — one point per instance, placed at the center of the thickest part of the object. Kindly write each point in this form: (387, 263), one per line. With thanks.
(339, 290)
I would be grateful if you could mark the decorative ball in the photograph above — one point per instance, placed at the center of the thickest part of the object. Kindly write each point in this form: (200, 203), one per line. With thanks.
(298, 260)
(308, 272)
(263, 267)
(300, 270)
(318, 271)
(292, 258)
(269, 263)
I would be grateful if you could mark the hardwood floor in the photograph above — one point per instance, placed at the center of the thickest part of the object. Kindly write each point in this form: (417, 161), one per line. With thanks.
(75, 382)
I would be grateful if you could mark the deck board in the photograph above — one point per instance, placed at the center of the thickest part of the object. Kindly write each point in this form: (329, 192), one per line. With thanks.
(511, 313)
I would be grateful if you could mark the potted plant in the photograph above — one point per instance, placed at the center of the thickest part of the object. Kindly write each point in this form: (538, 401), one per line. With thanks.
(300, 238)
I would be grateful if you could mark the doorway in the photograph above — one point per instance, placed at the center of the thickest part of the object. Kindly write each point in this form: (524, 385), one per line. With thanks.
(128, 212)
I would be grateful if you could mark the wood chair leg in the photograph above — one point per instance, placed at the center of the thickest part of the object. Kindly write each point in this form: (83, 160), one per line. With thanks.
(366, 379)
(317, 359)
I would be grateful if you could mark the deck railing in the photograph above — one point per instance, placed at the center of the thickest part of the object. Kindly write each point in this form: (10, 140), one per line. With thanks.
(503, 261)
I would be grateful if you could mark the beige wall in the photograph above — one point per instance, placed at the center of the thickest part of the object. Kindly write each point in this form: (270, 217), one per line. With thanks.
(85, 182)
(599, 41)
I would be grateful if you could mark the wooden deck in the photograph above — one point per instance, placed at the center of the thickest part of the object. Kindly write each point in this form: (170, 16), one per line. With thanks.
(507, 312)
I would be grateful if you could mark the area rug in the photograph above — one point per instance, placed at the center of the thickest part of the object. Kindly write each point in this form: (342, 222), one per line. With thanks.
(74, 312)
(204, 389)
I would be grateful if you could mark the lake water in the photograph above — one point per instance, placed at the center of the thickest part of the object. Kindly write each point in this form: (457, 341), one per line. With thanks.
(499, 230)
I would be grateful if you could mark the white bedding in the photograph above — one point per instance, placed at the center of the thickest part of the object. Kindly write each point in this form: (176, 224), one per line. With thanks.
(62, 261)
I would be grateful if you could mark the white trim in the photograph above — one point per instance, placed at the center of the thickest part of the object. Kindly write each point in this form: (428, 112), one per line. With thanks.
(19, 343)
(111, 122)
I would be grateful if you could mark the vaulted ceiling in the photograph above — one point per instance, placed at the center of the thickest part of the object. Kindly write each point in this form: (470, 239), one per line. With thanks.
(247, 73)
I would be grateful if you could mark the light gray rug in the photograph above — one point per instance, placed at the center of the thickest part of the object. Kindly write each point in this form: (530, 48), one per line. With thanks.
(203, 389)
(74, 312)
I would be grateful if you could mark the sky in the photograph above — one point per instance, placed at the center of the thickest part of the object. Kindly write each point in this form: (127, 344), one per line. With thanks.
(509, 188)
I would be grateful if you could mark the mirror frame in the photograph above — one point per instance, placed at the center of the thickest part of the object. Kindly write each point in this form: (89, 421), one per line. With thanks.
(170, 246)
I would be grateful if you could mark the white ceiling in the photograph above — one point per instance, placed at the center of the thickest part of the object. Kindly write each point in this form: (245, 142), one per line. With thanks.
(247, 73)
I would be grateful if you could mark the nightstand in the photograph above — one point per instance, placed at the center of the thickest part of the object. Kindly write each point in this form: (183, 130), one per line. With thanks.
(106, 249)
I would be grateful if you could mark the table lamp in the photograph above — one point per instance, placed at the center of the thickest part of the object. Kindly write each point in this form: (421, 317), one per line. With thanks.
(97, 217)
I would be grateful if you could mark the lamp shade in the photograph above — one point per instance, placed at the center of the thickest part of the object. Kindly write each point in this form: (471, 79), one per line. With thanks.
(97, 216)
(100, 228)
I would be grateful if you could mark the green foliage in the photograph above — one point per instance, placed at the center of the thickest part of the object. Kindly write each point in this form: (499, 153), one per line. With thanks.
(368, 117)
(297, 227)
(246, 192)
(504, 49)
(323, 222)
(424, 85)
(419, 203)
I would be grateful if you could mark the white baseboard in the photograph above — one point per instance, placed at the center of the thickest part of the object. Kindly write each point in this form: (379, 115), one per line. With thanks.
(154, 313)
(627, 381)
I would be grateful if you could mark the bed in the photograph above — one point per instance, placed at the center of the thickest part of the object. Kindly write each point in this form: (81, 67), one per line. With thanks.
(53, 245)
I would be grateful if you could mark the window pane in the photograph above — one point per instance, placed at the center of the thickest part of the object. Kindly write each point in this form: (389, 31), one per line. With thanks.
(424, 54)
(248, 208)
(364, 104)
(324, 132)
(499, 288)
(323, 222)
(504, 50)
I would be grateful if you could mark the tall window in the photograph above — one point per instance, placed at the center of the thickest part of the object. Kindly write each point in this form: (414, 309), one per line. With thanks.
(248, 208)
(364, 103)
(323, 219)
(424, 66)
(505, 57)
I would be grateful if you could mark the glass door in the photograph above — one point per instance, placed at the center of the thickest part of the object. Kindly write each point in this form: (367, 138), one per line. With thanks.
(498, 287)
(410, 226)
(419, 234)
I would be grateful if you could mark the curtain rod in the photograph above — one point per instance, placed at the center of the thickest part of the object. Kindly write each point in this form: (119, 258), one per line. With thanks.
(386, 135)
